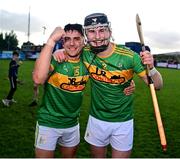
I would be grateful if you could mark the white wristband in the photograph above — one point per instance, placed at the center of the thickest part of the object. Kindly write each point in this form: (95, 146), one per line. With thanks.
(153, 71)
(50, 42)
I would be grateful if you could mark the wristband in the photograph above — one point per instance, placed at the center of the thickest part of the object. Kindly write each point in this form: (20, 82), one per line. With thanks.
(153, 71)
(50, 42)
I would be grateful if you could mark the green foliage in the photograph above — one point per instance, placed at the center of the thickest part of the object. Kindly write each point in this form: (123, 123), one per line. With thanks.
(8, 41)
(18, 122)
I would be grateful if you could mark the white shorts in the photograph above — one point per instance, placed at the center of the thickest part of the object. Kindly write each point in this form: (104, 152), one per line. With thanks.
(101, 133)
(46, 138)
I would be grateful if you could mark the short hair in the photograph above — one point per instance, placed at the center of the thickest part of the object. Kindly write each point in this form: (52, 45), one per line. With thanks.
(15, 53)
(72, 27)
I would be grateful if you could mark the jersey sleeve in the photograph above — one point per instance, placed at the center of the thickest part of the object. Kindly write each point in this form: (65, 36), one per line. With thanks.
(53, 64)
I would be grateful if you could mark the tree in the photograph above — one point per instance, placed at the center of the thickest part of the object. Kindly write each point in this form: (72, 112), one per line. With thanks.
(8, 41)
(2, 42)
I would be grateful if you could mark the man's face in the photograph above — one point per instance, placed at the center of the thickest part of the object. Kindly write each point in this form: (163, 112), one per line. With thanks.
(16, 57)
(98, 36)
(73, 43)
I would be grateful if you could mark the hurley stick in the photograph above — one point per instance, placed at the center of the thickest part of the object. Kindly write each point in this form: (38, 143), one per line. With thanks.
(152, 89)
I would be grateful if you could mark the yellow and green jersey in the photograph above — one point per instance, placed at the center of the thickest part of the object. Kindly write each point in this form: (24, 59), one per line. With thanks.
(109, 76)
(63, 94)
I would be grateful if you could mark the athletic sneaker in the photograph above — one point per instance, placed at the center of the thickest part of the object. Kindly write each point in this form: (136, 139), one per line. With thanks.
(6, 102)
(13, 101)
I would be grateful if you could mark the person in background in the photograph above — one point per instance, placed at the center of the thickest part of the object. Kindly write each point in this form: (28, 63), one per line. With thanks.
(13, 76)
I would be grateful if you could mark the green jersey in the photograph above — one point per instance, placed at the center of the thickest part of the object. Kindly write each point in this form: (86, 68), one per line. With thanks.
(109, 76)
(63, 94)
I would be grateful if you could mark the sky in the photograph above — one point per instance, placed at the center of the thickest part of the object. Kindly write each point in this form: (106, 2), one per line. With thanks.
(159, 18)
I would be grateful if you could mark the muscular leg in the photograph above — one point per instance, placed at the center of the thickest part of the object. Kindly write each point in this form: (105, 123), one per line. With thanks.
(40, 153)
(98, 152)
(68, 152)
(120, 154)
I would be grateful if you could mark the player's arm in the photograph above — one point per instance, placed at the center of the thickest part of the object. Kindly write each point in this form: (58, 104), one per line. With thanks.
(60, 56)
(147, 59)
(130, 89)
(42, 64)
(156, 77)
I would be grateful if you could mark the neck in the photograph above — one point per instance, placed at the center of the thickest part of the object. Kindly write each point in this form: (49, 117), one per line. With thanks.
(73, 57)
(107, 52)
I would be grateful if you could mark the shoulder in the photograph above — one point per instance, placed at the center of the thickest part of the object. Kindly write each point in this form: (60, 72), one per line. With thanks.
(124, 51)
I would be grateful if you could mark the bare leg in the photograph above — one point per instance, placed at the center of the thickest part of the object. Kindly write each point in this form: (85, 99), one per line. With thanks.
(68, 152)
(40, 153)
(98, 152)
(120, 154)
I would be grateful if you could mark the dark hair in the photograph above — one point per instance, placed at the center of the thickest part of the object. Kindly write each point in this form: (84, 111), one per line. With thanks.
(72, 27)
(15, 53)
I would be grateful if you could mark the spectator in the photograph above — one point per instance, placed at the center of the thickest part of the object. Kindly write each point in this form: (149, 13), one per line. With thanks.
(13, 75)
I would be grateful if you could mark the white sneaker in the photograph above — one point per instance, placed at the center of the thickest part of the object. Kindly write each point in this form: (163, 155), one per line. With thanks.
(6, 102)
(13, 101)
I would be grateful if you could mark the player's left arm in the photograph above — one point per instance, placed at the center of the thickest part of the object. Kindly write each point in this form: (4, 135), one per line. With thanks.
(155, 75)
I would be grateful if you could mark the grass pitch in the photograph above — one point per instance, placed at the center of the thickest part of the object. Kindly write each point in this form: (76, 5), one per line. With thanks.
(17, 123)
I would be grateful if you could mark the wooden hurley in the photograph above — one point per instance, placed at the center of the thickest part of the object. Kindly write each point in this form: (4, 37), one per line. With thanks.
(153, 93)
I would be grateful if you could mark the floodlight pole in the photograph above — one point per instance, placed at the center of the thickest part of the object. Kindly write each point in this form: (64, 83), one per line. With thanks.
(44, 31)
(29, 21)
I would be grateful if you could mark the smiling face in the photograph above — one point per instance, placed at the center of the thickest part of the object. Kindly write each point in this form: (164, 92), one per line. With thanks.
(98, 36)
(73, 43)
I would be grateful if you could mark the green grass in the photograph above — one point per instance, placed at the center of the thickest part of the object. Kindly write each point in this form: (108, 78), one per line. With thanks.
(17, 123)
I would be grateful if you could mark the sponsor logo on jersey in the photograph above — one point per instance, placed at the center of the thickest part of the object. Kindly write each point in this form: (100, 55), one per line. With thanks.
(64, 82)
(112, 77)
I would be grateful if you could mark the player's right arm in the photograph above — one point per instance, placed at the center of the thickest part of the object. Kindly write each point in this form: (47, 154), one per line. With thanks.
(42, 64)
